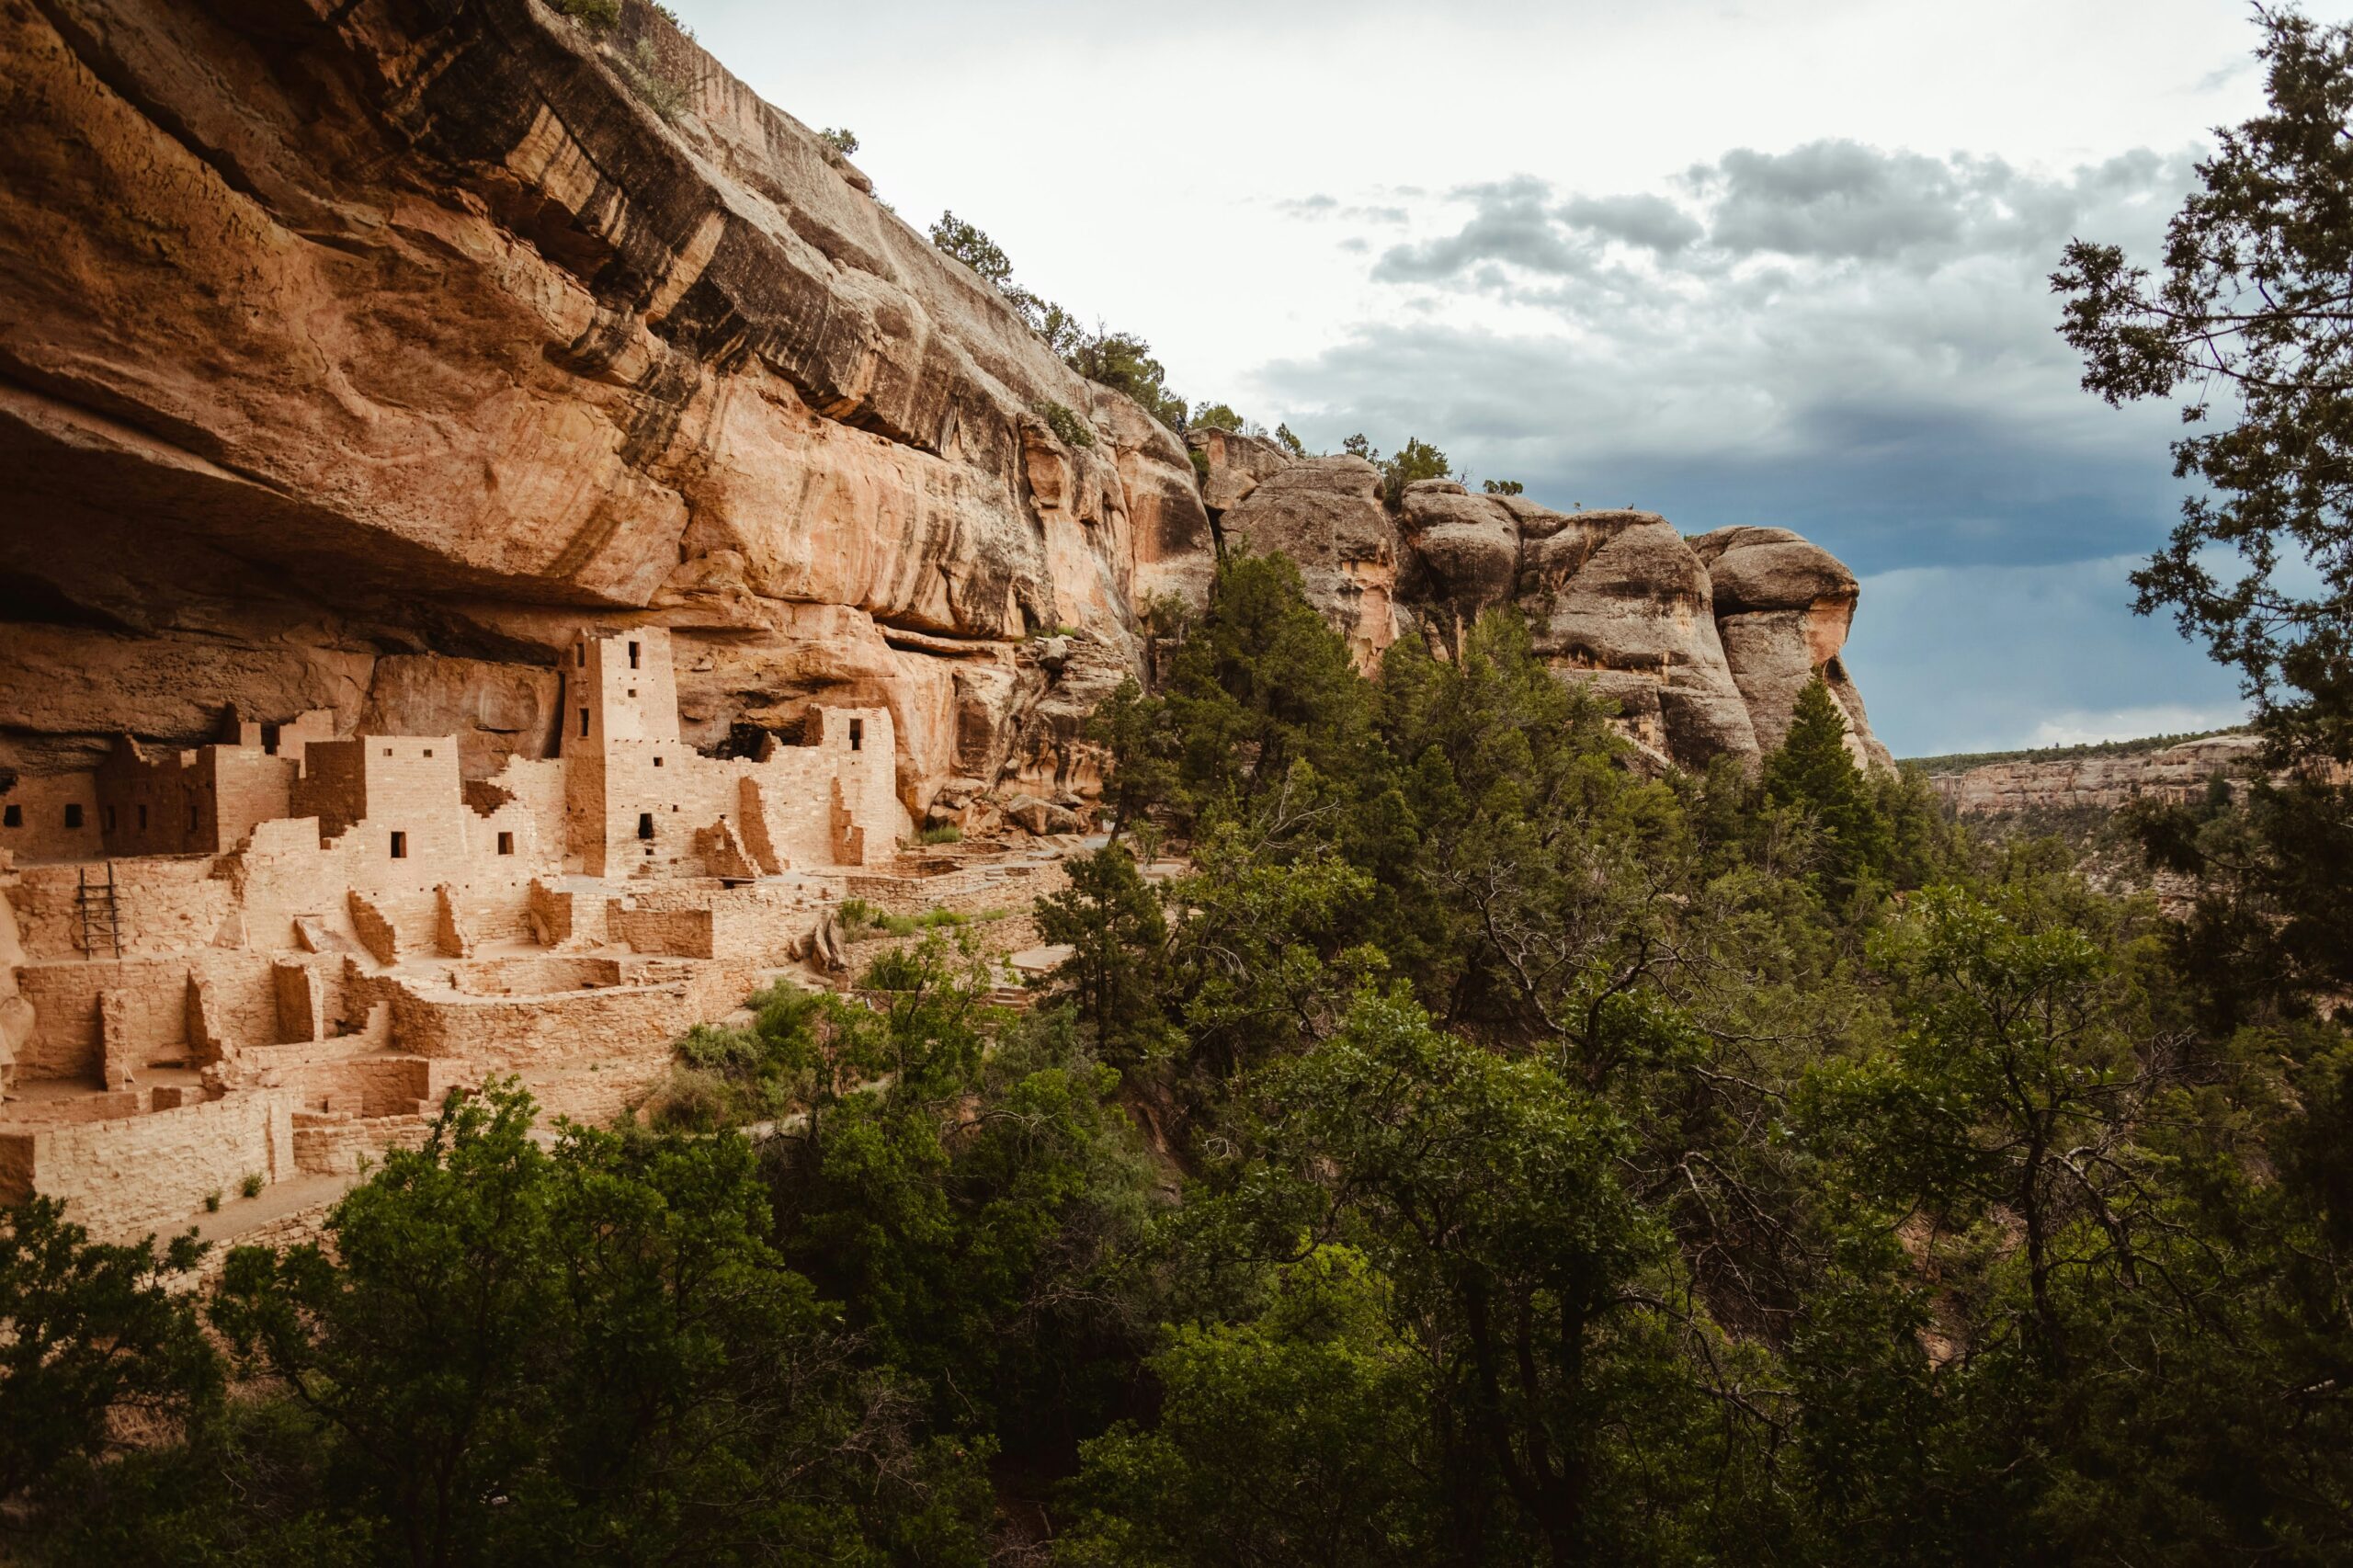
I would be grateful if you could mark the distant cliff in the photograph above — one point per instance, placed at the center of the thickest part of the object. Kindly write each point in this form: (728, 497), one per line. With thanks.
(2103, 779)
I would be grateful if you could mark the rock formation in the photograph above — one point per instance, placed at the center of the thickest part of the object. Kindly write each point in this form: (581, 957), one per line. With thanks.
(355, 355)
(341, 335)
(1703, 643)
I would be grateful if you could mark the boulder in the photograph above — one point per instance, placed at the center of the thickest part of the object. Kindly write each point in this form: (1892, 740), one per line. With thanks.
(1783, 607)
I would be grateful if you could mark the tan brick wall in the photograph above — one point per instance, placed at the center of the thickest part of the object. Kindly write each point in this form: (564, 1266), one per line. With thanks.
(125, 1177)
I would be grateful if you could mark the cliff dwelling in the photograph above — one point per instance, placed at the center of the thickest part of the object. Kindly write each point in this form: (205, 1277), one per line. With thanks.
(270, 957)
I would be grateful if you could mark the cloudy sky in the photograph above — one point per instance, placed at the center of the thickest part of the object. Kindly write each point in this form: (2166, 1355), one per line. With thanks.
(1781, 262)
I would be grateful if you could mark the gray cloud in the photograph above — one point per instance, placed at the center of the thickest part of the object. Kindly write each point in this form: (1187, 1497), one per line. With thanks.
(1512, 221)
(1651, 222)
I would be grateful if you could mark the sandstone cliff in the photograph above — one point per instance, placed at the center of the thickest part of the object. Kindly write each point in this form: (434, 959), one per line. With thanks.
(337, 334)
(356, 353)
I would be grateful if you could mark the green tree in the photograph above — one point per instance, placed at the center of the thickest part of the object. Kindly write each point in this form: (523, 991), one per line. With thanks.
(1118, 941)
(2250, 310)
(1264, 681)
(1538, 1296)
(520, 1354)
(1295, 1438)
(1814, 769)
(94, 1336)
(967, 244)
(1414, 461)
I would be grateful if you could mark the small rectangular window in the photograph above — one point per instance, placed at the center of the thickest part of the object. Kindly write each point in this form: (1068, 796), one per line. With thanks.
(583, 722)
(506, 843)
(400, 846)
(73, 816)
(13, 817)
(632, 655)
(645, 825)
(857, 735)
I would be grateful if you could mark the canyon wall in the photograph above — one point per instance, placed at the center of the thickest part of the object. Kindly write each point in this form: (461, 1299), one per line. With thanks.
(355, 355)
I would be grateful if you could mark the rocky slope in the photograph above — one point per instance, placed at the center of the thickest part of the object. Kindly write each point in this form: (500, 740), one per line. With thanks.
(354, 353)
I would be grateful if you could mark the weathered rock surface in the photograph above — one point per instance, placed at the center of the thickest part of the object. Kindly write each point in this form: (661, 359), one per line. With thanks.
(335, 332)
(1325, 514)
(2174, 774)
(354, 353)
(1783, 607)
(1703, 643)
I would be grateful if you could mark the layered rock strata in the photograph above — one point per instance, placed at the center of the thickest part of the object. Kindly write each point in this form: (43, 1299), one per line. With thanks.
(2174, 774)
(343, 336)
(355, 355)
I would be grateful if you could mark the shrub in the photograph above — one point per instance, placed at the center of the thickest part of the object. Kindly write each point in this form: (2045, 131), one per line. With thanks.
(1067, 427)
(599, 14)
(1416, 460)
(942, 833)
(895, 971)
(251, 1186)
(651, 80)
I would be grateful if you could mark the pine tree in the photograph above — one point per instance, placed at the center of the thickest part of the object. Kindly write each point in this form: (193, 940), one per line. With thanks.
(1814, 769)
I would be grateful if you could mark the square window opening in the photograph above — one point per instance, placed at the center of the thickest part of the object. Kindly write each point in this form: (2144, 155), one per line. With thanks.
(400, 846)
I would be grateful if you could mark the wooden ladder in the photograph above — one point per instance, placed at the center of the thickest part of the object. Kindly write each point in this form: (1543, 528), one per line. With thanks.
(101, 912)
